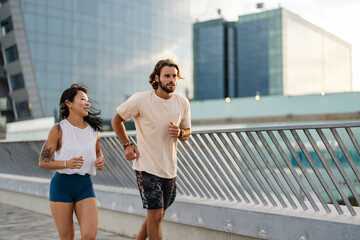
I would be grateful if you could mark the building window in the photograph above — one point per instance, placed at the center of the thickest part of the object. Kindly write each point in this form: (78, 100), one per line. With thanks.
(5, 104)
(2, 2)
(17, 81)
(11, 54)
(6, 26)
(22, 109)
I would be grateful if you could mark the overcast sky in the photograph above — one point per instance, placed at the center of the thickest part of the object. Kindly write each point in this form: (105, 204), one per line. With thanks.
(339, 17)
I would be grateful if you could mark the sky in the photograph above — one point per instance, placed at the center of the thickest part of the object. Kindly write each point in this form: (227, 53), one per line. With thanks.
(339, 17)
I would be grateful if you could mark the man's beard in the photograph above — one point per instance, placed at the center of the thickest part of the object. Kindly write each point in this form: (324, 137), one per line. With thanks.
(163, 87)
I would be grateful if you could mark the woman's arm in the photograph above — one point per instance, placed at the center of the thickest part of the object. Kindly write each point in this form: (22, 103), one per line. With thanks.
(52, 144)
(100, 160)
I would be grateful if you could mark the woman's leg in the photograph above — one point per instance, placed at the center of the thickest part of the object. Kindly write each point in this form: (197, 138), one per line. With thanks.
(87, 215)
(63, 217)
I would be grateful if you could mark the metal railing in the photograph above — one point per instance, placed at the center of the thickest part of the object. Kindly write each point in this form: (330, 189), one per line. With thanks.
(312, 168)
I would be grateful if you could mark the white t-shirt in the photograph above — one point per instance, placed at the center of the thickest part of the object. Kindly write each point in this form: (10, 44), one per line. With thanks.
(77, 142)
(152, 115)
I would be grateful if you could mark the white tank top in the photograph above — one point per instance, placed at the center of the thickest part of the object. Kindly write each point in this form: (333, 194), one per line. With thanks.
(77, 142)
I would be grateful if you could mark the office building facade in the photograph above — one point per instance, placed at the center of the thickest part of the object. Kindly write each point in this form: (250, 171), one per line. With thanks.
(109, 46)
(273, 52)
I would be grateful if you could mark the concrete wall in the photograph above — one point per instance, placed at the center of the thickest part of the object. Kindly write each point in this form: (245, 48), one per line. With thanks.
(120, 211)
(119, 222)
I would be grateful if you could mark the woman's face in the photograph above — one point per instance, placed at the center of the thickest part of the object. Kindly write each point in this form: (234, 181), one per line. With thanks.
(80, 104)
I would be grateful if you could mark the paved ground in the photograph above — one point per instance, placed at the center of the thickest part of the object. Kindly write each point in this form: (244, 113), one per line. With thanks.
(16, 224)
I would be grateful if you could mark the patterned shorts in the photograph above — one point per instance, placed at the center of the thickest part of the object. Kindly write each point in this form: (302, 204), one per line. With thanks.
(156, 192)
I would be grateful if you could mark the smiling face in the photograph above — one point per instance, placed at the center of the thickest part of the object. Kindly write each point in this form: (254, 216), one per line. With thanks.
(80, 104)
(167, 80)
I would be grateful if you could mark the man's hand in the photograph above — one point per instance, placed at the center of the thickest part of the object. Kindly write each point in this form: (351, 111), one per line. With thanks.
(131, 153)
(174, 130)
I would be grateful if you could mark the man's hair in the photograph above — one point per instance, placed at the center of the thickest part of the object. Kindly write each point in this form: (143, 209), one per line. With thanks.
(157, 70)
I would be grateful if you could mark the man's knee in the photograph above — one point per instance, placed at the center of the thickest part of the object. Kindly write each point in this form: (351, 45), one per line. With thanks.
(156, 215)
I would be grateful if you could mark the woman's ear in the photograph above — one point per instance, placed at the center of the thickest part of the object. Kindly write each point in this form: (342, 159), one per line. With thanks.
(68, 104)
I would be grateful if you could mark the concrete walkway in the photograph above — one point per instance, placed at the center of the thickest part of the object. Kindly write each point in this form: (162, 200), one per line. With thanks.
(16, 224)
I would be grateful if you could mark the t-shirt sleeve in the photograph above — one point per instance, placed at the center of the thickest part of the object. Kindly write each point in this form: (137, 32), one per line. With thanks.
(130, 108)
(186, 120)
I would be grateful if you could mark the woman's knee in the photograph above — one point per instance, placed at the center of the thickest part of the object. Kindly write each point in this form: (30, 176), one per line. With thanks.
(67, 236)
(88, 236)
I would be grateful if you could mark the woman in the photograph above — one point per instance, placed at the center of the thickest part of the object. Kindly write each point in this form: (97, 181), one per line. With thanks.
(73, 149)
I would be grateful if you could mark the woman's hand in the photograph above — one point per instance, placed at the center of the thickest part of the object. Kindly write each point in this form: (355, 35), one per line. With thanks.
(100, 163)
(75, 163)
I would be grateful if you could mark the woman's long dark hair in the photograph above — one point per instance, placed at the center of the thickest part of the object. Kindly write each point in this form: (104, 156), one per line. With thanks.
(92, 118)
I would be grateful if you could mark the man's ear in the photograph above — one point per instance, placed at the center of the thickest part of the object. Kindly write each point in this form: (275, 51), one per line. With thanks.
(156, 78)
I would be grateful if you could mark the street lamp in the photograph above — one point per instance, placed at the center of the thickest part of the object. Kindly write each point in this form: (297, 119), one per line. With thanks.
(257, 96)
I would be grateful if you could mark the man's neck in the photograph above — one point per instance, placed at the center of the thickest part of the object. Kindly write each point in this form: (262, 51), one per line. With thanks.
(162, 94)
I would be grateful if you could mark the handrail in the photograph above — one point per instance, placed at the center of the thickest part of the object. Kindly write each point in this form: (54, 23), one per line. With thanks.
(310, 168)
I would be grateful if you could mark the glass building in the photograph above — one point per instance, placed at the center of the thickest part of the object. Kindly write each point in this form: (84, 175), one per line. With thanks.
(274, 52)
(111, 46)
(209, 58)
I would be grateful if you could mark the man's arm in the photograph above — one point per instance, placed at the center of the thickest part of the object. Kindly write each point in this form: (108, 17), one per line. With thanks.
(177, 132)
(185, 134)
(117, 124)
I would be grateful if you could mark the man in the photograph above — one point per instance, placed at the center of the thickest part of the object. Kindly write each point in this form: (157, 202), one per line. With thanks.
(161, 117)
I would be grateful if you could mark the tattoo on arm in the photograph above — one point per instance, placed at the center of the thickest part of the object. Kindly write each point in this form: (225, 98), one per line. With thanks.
(46, 154)
(58, 128)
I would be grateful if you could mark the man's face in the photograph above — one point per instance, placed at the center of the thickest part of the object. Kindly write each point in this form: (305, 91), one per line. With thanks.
(168, 79)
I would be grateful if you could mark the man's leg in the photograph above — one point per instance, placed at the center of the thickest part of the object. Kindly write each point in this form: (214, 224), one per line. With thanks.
(142, 235)
(150, 187)
(154, 220)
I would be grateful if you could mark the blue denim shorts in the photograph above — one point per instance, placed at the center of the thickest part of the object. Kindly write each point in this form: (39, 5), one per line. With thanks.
(156, 192)
(70, 188)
